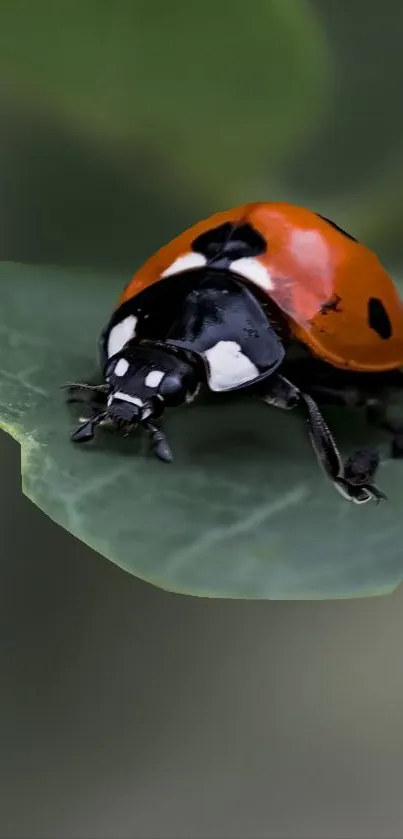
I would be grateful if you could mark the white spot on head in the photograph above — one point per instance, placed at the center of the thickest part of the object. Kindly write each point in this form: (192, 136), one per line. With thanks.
(120, 334)
(228, 367)
(253, 270)
(125, 397)
(154, 378)
(121, 367)
(185, 263)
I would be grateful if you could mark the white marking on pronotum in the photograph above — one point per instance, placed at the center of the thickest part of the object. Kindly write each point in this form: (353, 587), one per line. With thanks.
(121, 367)
(120, 334)
(154, 378)
(189, 260)
(253, 270)
(125, 397)
(228, 366)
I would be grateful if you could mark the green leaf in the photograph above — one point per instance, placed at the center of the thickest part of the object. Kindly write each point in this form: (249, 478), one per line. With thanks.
(218, 90)
(243, 511)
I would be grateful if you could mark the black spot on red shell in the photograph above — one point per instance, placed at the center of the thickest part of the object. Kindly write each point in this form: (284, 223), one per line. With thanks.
(228, 242)
(378, 318)
(336, 227)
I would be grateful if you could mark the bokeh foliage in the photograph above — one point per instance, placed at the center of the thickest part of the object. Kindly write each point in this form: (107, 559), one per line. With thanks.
(122, 123)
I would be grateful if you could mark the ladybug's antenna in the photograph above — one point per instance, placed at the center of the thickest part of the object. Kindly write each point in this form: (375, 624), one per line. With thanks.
(102, 388)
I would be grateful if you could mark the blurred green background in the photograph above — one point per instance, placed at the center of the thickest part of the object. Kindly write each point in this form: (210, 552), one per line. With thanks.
(127, 712)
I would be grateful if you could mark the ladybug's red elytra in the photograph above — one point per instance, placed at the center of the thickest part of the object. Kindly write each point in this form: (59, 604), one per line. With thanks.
(225, 305)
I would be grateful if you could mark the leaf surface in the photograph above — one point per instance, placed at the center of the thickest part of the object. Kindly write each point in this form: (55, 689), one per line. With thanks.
(242, 512)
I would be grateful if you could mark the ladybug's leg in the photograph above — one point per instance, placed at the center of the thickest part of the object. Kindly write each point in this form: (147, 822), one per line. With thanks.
(86, 430)
(375, 407)
(354, 479)
(159, 442)
(282, 393)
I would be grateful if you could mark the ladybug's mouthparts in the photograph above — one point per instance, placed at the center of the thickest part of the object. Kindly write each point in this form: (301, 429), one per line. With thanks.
(127, 411)
(122, 407)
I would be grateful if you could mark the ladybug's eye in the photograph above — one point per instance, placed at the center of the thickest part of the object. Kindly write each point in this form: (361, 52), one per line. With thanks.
(172, 384)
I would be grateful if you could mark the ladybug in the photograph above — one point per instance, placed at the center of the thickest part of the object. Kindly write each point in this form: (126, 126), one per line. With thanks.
(269, 298)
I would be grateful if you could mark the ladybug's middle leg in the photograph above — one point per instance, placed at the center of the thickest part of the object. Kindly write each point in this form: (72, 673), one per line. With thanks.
(354, 479)
(376, 408)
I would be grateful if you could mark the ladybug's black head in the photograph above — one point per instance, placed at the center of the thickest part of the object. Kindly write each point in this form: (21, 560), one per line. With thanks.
(140, 381)
(143, 380)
